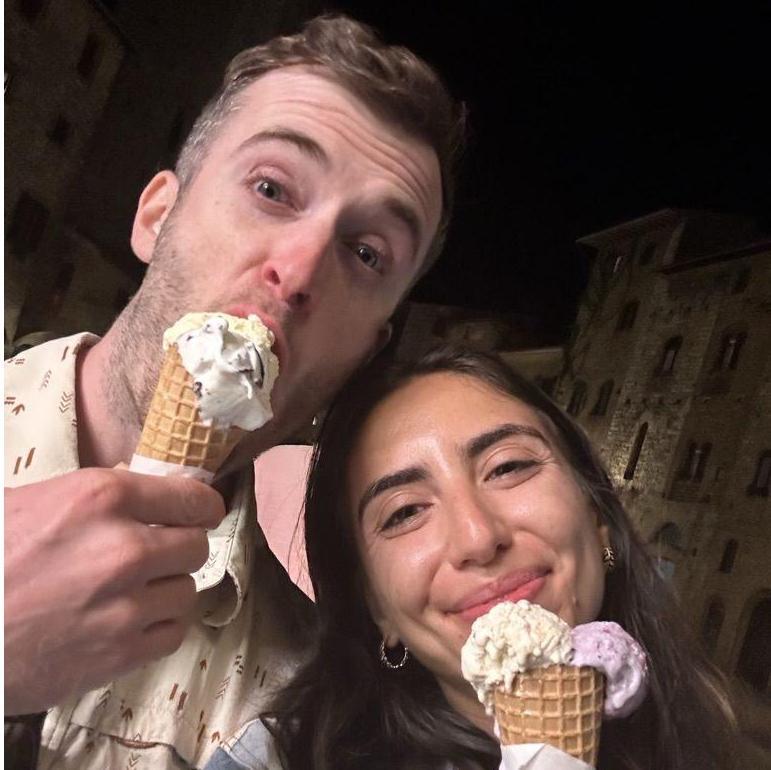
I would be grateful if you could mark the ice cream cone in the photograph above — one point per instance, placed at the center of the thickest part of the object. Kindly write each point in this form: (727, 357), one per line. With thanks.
(560, 705)
(174, 431)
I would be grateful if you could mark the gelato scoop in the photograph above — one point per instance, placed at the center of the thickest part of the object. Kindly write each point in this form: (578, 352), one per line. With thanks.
(215, 384)
(607, 647)
(231, 365)
(511, 638)
(549, 684)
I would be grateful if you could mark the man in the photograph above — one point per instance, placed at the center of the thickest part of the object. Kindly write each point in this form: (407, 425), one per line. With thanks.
(314, 190)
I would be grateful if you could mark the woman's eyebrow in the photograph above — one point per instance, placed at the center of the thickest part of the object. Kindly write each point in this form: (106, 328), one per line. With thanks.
(484, 441)
(384, 483)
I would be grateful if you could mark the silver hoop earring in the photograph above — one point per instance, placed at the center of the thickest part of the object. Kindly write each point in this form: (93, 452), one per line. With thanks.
(387, 663)
(609, 558)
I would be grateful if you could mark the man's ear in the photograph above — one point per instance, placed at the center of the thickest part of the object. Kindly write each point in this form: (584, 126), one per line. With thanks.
(155, 203)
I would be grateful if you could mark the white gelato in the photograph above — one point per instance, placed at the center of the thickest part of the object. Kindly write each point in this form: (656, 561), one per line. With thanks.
(512, 637)
(231, 364)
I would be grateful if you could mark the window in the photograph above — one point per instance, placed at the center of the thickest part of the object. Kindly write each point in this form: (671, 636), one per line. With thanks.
(762, 481)
(59, 132)
(603, 398)
(710, 627)
(628, 315)
(28, 222)
(646, 255)
(741, 281)
(30, 9)
(730, 347)
(634, 456)
(695, 461)
(729, 556)
(578, 399)
(669, 354)
(89, 57)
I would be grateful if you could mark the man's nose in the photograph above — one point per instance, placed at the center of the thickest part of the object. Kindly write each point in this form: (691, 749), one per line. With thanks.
(477, 532)
(296, 264)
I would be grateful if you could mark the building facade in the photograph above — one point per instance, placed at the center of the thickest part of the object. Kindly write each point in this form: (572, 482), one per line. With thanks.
(669, 373)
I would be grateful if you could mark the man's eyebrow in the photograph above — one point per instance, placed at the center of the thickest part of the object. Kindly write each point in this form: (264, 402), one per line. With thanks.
(302, 142)
(484, 441)
(384, 483)
(407, 215)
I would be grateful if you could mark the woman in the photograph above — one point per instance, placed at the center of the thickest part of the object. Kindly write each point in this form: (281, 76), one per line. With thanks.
(436, 491)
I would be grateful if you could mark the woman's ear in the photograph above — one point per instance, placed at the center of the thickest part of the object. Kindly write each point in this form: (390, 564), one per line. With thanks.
(387, 629)
(155, 204)
(604, 535)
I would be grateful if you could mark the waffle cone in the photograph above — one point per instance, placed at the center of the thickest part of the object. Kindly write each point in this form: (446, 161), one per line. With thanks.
(559, 705)
(174, 431)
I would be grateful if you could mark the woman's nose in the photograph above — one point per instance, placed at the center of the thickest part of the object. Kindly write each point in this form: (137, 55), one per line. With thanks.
(477, 532)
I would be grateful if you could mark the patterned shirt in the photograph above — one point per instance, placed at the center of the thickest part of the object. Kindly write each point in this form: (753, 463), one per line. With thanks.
(176, 712)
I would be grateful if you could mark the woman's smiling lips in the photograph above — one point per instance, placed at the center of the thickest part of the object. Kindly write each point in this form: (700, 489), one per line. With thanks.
(522, 584)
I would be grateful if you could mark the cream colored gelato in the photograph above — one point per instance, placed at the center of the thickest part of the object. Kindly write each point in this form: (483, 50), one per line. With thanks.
(511, 638)
(231, 364)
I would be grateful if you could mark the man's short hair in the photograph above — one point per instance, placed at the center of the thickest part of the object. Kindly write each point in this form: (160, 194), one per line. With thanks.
(398, 86)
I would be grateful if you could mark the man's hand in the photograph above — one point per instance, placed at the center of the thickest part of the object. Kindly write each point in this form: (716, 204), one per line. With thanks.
(91, 590)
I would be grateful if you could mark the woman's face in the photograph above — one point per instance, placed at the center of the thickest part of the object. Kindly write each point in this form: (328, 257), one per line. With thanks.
(463, 500)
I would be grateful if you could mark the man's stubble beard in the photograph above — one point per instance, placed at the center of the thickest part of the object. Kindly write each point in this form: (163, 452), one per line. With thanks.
(136, 352)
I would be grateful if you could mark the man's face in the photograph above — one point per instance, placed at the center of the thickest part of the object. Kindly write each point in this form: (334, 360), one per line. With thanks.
(310, 212)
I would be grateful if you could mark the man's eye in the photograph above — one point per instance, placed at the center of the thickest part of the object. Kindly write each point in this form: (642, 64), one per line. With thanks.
(369, 256)
(511, 466)
(269, 189)
(401, 515)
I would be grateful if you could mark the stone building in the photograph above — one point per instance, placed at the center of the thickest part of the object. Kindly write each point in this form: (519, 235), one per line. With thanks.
(669, 373)
(61, 59)
(98, 97)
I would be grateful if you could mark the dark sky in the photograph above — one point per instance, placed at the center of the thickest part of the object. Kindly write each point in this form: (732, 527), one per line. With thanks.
(583, 118)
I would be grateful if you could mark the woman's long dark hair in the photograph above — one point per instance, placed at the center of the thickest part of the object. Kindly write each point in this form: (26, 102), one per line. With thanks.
(346, 710)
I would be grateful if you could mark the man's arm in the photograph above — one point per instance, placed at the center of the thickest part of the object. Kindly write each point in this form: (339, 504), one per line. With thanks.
(92, 590)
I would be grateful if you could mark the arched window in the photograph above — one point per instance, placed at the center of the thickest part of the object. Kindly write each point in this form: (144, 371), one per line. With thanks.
(711, 625)
(668, 535)
(695, 461)
(628, 315)
(634, 456)
(754, 665)
(729, 556)
(646, 255)
(762, 481)
(730, 348)
(603, 398)
(577, 399)
(669, 354)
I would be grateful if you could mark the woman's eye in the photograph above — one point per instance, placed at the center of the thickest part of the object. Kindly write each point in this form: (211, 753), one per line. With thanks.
(401, 515)
(511, 466)
(369, 256)
(269, 189)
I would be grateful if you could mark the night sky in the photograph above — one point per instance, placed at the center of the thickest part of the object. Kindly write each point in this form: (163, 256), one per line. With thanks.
(583, 118)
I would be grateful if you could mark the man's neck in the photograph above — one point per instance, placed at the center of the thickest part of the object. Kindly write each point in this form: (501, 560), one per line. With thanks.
(105, 437)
